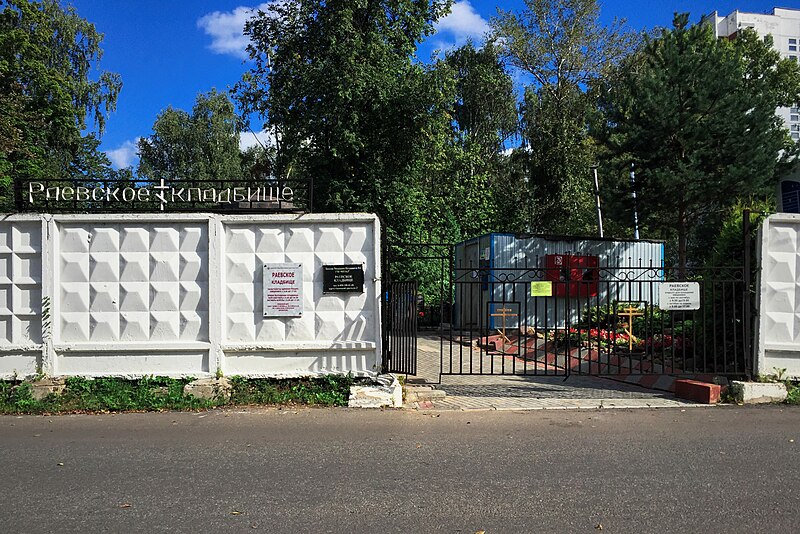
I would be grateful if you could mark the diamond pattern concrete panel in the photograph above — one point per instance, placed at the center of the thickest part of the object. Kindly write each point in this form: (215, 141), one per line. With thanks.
(104, 297)
(300, 239)
(134, 296)
(134, 326)
(134, 266)
(164, 239)
(5, 267)
(326, 318)
(104, 326)
(781, 296)
(781, 266)
(74, 267)
(193, 240)
(783, 238)
(6, 304)
(329, 239)
(127, 280)
(328, 325)
(20, 283)
(138, 282)
(105, 240)
(269, 240)
(135, 240)
(104, 267)
(356, 238)
(780, 327)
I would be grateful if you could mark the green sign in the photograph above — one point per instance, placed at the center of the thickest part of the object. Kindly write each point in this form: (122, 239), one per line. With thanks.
(541, 289)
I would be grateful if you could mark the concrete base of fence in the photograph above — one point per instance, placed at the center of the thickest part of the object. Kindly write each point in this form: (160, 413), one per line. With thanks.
(386, 393)
(209, 388)
(422, 394)
(758, 392)
(42, 388)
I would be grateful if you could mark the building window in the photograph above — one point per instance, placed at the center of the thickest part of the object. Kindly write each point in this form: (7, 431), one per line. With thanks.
(795, 136)
(794, 109)
(792, 45)
(794, 118)
(793, 58)
(795, 127)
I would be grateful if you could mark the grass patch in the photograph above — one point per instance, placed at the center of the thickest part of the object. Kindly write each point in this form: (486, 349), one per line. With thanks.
(793, 393)
(161, 393)
(328, 390)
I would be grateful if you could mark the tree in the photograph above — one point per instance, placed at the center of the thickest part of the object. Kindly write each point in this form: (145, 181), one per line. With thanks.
(696, 115)
(564, 50)
(200, 146)
(483, 117)
(336, 83)
(47, 97)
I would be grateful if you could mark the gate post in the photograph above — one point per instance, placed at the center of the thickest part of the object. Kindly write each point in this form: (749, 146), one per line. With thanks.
(386, 353)
(747, 312)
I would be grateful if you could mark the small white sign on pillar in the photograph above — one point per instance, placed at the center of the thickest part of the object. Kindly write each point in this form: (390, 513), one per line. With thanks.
(283, 289)
(679, 296)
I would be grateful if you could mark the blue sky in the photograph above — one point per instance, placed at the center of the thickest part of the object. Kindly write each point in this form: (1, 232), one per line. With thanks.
(168, 51)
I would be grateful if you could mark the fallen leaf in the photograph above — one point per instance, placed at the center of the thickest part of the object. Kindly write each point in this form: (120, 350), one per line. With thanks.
(125, 505)
(791, 441)
(599, 526)
(236, 512)
(60, 463)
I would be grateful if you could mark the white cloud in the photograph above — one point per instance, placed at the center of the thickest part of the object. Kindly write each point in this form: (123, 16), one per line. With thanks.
(226, 29)
(250, 139)
(124, 155)
(462, 23)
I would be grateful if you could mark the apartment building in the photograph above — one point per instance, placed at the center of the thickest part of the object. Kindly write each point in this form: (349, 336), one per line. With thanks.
(784, 26)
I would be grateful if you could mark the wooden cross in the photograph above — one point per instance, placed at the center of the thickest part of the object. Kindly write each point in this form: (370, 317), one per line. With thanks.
(630, 312)
(503, 313)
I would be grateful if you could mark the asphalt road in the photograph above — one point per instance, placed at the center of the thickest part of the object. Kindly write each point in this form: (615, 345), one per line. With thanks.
(723, 469)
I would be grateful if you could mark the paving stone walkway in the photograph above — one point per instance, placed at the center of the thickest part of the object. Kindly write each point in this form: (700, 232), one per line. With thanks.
(525, 392)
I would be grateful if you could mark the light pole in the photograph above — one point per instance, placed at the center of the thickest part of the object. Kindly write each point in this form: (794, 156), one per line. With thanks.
(597, 200)
(635, 210)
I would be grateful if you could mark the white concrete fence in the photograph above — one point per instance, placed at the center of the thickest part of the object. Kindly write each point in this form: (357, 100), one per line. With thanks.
(778, 330)
(183, 295)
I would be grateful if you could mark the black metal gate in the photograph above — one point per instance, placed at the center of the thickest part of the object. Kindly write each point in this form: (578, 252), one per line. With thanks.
(536, 319)
(401, 328)
(418, 295)
(613, 320)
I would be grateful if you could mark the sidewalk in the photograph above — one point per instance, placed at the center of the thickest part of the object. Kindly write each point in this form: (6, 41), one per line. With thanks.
(525, 392)
(544, 392)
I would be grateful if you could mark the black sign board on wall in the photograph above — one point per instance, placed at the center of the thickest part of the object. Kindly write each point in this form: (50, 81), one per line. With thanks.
(343, 278)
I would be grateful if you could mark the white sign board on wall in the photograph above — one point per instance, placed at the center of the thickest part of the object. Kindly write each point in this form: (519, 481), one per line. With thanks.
(283, 289)
(679, 296)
